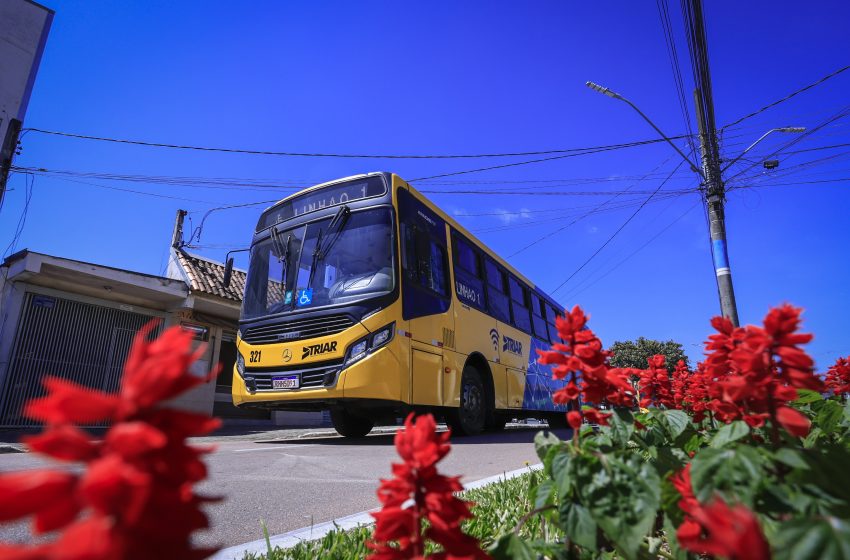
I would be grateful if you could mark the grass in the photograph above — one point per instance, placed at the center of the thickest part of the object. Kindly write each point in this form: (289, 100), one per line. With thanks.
(498, 508)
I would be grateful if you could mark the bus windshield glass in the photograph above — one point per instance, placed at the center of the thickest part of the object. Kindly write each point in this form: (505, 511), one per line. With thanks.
(331, 261)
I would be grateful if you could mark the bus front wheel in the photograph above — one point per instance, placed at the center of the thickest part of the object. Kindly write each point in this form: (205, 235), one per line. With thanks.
(350, 425)
(470, 417)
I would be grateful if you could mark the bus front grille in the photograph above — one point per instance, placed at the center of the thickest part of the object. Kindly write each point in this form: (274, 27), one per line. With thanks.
(297, 330)
(313, 376)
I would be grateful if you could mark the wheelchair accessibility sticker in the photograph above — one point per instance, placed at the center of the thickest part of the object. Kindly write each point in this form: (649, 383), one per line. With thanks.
(305, 298)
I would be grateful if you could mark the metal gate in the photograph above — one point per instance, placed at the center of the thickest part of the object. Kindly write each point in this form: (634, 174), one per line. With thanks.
(81, 342)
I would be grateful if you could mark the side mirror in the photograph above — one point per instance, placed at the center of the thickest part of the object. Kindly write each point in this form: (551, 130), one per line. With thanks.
(228, 272)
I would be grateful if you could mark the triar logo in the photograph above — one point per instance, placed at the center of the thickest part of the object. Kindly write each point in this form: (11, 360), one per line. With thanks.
(318, 349)
(494, 336)
(511, 345)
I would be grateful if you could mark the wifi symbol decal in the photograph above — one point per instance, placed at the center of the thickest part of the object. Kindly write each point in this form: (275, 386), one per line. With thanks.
(494, 336)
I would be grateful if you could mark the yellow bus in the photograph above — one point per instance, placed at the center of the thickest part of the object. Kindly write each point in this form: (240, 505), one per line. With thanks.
(365, 299)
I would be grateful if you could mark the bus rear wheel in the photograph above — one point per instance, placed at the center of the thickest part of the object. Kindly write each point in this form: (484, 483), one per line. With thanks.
(469, 418)
(350, 425)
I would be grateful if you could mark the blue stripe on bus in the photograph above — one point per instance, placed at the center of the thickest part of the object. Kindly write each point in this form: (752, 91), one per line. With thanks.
(539, 385)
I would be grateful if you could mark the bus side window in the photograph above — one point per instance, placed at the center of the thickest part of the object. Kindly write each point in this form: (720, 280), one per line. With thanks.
(469, 285)
(550, 321)
(497, 300)
(538, 323)
(519, 305)
(423, 260)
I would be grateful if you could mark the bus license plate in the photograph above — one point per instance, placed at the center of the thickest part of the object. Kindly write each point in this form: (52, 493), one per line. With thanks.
(288, 382)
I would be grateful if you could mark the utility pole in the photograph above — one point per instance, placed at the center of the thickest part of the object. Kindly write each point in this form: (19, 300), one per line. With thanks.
(715, 193)
(177, 234)
(715, 196)
(8, 149)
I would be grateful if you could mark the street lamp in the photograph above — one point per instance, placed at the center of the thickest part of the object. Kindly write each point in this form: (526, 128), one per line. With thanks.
(791, 129)
(614, 95)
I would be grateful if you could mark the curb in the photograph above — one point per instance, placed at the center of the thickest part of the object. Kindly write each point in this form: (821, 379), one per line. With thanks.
(316, 532)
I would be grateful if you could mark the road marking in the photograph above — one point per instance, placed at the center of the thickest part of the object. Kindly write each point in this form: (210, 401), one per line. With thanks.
(276, 448)
(290, 539)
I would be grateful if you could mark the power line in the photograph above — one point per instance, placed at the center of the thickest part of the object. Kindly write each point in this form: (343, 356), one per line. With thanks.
(516, 164)
(633, 253)
(613, 235)
(787, 97)
(327, 155)
(556, 193)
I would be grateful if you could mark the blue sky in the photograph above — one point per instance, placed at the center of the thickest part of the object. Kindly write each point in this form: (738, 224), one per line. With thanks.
(458, 78)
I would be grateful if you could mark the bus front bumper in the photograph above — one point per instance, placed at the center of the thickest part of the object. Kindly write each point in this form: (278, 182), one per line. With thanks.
(378, 376)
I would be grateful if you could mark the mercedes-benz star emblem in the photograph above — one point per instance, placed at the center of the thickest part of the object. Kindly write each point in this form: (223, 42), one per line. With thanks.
(287, 355)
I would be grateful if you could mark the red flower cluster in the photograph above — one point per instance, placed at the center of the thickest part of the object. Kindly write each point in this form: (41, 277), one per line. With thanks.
(755, 371)
(581, 360)
(135, 497)
(417, 492)
(838, 377)
(690, 390)
(654, 383)
(717, 529)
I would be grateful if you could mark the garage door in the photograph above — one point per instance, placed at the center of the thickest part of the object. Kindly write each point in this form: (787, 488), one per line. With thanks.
(81, 342)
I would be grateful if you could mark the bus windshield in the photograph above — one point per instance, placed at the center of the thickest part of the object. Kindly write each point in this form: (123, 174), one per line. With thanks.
(321, 263)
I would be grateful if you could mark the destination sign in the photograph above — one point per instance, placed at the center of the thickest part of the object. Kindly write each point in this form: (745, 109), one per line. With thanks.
(333, 195)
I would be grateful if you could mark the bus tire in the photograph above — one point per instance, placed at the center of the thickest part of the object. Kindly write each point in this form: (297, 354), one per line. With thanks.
(350, 425)
(497, 423)
(470, 417)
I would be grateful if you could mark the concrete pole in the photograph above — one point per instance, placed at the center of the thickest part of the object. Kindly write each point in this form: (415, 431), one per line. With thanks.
(715, 197)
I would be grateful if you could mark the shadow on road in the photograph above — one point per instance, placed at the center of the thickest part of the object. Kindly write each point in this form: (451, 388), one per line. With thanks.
(515, 435)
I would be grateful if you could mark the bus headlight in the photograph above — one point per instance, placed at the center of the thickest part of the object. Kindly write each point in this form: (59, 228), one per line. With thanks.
(240, 364)
(363, 347)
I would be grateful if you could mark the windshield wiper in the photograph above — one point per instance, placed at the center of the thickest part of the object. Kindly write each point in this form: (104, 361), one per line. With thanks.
(339, 220)
(282, 256)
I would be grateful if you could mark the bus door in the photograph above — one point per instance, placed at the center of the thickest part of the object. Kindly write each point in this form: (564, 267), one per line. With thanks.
(426, 299)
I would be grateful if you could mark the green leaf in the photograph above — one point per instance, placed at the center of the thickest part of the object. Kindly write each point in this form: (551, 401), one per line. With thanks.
(578, 524)
(729, 433)
(736, 472)
(829, 416)
(543, 441)
(792, 458)
(561, 474)
(511, 547)
(813, 539)
(621, 426)
(676, 422)
(806, 396)
(623, 498)
(544, 494)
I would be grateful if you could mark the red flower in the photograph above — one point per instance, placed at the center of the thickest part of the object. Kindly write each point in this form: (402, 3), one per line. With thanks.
(755, 372)
(574, 419)
(418, 492)
(581, 360)
(595, 417)
(719, 530)
(655, 384)
(838, 377)
(135, 496)
(682, 482)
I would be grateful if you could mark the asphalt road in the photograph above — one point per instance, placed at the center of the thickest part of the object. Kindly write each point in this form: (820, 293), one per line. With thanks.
(294, 483)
